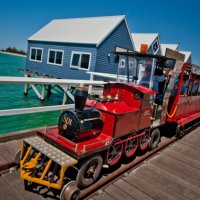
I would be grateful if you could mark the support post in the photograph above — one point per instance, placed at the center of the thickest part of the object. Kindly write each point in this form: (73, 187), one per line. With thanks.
(90, 86)
(26, 85)
(64, 97)
(43, 93)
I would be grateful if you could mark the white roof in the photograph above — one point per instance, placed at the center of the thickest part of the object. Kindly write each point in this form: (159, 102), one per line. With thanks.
(92, 30)
(143, 38)
(169, 46)
(187, 55)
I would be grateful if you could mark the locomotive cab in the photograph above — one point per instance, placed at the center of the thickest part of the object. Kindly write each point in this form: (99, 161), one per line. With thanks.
(149, 71)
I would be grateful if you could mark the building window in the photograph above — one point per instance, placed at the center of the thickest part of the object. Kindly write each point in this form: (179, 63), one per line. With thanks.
(55, 57)
(36, 54)
(155, 46)
(80, 60)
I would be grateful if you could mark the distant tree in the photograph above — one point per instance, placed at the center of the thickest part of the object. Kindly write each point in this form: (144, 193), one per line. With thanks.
(14, 50)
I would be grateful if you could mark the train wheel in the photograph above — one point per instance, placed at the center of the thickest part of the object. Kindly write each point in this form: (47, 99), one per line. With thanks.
(144, 141)
(70, 191)
(114, 153)
(155, 138)
(130, 146)
(180, 132)
(89, 171)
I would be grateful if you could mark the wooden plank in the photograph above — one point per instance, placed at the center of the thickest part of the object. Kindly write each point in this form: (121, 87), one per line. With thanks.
(177, 173)
(182, 158)
(183, 187)
(117, 193)
(12, 191)
(2, 160)
(147, 188)
(5, 192)
(15, 145)
(193, 153)
(6, 152)
(157, 181)
(178, 165)
(104, 196)
(17, 187)
(191, 144)
(132, 191)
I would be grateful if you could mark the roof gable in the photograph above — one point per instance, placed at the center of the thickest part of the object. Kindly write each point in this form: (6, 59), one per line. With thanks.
(187, 54)
(143, 38)
(169, 46)
(92, 30)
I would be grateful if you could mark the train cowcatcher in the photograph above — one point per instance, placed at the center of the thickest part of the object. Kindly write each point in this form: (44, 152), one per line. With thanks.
(129, 116)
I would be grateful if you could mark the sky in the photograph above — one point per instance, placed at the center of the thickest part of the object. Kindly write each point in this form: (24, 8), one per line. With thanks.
(177, 21)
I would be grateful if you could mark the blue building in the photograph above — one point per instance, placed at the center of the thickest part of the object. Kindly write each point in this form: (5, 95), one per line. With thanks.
(68, 48)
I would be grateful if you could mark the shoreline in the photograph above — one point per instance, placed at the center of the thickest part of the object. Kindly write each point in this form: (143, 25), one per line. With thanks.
(13, 54)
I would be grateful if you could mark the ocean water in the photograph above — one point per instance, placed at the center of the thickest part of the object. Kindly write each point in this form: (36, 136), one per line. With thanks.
(11, 96)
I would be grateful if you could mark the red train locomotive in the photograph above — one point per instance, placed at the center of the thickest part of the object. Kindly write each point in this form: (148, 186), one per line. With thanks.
(152, 92)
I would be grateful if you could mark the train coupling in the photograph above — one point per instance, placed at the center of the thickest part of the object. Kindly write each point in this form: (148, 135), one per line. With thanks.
(44, 164)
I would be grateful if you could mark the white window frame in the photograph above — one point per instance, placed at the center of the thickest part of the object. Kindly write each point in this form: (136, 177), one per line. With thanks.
(56, 50)
(36, 48)
(156, 41)
(78, 67)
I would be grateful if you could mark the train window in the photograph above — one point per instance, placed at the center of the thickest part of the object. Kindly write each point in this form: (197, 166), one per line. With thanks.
(137, 96)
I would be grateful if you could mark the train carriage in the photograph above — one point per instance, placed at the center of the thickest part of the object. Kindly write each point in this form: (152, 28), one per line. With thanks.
(128, 116)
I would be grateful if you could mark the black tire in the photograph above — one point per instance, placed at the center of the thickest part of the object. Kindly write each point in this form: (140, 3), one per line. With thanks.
(70, 191)
(180, 132)
(87, 175)
(155, 138)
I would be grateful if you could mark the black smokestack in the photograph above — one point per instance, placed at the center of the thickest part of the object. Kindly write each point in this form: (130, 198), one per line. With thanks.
(80, 98)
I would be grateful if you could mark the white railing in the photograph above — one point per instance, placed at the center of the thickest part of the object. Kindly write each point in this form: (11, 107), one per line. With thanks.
(43, 81)
(47, 81)
(21, 111)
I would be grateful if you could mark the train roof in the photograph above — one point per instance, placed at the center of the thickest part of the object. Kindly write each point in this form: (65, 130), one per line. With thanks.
(139, 88)
(135, 53)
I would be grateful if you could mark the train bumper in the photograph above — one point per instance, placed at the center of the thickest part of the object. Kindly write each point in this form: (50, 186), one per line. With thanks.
(44, 164)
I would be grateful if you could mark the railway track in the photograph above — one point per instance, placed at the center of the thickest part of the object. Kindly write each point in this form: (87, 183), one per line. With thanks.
(108, 175)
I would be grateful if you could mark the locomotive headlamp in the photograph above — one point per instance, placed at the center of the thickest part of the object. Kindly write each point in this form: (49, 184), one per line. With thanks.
(109, 98)
(116, 97)
(102, 98)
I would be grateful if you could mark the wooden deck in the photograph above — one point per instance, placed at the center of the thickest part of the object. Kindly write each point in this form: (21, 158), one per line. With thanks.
(8, 150)
(173, 174)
